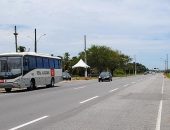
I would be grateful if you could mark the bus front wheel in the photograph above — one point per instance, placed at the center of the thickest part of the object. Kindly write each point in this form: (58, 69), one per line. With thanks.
(32, 86)
(8, 90)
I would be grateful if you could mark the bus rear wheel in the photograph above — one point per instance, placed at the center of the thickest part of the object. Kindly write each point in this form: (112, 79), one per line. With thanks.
(8, 90)
(52, 82)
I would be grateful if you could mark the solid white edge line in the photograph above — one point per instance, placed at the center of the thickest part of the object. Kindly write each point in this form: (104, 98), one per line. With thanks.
(158, 123)
(28, 123)
(113, 90)
(88, 99)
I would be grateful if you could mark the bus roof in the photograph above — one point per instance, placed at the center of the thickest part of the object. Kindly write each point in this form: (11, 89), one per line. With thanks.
(28, 53)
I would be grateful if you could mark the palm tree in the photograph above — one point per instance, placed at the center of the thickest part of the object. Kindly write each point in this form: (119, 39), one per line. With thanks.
(21, 49)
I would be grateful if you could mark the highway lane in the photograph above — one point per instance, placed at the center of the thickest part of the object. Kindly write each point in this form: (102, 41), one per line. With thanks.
(125, 103)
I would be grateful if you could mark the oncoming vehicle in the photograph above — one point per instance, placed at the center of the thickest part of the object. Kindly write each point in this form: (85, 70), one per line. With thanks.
(28, 70)
(105, 76)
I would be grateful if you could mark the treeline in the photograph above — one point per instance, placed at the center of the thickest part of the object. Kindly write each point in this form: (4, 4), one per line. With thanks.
(102, 58)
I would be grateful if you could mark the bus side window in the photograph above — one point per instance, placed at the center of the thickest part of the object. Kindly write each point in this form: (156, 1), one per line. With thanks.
(25, 61)
(59, 64)
(39, 62)
(26, 64)
(45, 62)
(32, 62)
(56, 64)
(51, 61)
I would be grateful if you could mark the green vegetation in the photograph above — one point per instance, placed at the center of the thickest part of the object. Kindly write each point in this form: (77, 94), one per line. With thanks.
(168, 75)
(102, 58)
(119, 72)
(21, 49)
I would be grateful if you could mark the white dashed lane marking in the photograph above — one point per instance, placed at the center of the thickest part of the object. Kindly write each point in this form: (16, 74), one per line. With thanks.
(87, 100)
(113, 90)
(28, 123)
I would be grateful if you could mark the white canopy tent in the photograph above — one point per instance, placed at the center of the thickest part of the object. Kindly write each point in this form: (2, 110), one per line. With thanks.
(81, 63)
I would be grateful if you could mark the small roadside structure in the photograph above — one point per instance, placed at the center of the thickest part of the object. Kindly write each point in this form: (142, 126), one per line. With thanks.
(81, 64)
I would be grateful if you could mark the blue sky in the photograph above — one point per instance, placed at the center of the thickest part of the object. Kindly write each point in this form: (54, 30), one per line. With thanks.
(135, 27)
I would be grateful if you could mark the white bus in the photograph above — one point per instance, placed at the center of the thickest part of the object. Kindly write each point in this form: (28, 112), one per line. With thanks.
(29, 70)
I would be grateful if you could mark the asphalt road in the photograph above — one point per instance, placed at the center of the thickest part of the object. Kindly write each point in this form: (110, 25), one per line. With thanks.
(129, 103)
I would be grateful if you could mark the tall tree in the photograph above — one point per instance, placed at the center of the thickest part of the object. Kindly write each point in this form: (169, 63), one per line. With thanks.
(141, 68)
(66, 61)
(99, 57)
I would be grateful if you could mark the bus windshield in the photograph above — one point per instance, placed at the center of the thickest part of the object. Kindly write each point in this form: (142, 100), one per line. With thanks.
(10, 67)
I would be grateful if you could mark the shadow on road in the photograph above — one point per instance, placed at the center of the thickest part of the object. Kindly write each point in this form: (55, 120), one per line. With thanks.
(25, 90)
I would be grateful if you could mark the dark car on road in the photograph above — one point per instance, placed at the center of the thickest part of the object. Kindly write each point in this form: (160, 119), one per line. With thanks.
(66, 76)
(105, 76)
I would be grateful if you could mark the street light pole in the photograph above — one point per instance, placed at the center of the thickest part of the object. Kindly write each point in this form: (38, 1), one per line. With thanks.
(164, 62)
(85, 56)
(35, 49)
(167, 61)
(35, 40)
(15, 34)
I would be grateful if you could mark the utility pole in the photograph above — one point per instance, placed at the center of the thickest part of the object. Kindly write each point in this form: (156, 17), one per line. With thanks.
(167, 61)
(85, 56)
(165, 65)
(15, 34)
(35, 40)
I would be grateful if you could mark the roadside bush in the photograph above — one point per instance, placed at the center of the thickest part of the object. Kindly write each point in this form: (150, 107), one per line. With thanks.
(168, 75)
(119, 72)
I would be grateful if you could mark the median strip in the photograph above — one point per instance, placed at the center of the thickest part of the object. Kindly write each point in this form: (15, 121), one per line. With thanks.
(89, 99)
(28, 123)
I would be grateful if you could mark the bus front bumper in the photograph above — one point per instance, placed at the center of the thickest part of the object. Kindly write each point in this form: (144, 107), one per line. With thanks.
(9, 85)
